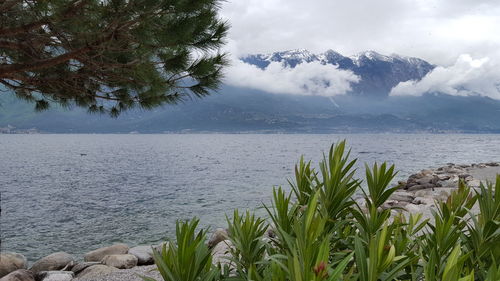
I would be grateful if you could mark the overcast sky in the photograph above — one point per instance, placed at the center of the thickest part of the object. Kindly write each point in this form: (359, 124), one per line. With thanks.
(463, 36)
(436, 30)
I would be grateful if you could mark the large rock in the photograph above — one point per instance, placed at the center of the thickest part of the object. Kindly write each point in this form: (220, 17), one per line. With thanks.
(270, 232)
(420, 186)
(443, 177)
(464, 176)
(144, 254)
(19, 275)
(10, 262)
(409, 184)
(96, 270)
(220, 234)
(99, 254)
(55, 261)
(55, 276)
(426, 172)
(82, 265)
(423, 193)
(120, 261)
(414, 209)
(442, 195)
(425, 210)
(454, 170)
(474, 183)
(424, 200)
(222, 252)
(427, 179)
(389, 204)
(449, 183)
(402, 196)
(415, 176)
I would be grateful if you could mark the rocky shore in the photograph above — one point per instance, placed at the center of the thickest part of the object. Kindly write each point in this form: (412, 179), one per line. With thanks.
(418, 194)
(117, 262)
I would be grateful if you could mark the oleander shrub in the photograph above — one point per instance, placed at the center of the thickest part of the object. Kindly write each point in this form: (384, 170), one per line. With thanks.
(329, 225)
(246, 233)
(189, 259)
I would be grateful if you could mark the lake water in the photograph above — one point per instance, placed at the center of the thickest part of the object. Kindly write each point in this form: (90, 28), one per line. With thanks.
(132, 188)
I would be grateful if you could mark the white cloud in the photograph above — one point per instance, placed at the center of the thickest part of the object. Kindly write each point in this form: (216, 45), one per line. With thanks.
(439, 31)
(304, 79)
(435, 30)
(467, 76)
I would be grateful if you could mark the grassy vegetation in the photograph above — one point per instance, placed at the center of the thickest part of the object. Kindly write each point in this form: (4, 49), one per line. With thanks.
(321, 233)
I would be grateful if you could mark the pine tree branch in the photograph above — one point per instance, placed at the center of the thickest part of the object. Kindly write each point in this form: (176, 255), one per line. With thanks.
(7, 32)
(13, 31)
(12, 45)
(8, 5)
(6, 69)
(125, 58)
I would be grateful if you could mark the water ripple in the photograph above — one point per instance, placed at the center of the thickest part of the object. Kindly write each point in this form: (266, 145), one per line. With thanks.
(132, 188)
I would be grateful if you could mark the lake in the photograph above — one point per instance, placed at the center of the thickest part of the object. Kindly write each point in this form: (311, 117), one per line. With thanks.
(75, 193)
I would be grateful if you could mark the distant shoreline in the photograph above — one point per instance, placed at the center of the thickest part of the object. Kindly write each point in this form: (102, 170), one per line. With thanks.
(36, 132)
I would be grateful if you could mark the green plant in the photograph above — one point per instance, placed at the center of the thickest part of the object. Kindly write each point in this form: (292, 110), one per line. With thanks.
(189, 259)
(443, 236)
(493, 272)
(283, 214)
(454, 267)
(378, 180)
(246, 234)
(321, 233)
(306, 254)
(458, 204)
(337, 184)
(306, 182)
(482, 238)
(377, 260)
(406, 232)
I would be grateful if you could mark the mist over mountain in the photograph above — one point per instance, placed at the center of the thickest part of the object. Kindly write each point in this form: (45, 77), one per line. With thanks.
(243, 110)
(378, 73)
(366, 107)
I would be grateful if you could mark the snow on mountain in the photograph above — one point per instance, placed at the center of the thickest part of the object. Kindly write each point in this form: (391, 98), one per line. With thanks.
(379, 73)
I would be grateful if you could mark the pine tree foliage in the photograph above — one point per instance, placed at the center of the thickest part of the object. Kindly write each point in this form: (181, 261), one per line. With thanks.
(111, 55)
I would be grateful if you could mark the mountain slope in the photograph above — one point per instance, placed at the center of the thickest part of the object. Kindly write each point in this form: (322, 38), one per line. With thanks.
(243, 110)
(367, 108)
(378, 73)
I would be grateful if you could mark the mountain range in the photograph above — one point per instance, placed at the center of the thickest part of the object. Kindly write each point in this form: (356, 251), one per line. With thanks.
(367, 107)
(378, 73)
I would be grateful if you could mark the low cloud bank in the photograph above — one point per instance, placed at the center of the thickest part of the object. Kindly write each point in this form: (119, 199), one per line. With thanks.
(467, 76)
(311, 78)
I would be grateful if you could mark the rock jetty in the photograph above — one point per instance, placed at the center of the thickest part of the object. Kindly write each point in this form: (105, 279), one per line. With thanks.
(62, 266)
(418, 194)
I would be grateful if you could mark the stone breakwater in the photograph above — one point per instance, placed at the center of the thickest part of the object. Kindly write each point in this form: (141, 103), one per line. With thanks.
(418, 194)
(62, 266)
(116, 262)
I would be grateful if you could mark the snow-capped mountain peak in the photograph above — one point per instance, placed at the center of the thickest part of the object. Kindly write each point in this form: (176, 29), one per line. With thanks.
(378, 73)
(289, 58)
(297, 53)
(359, 58)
